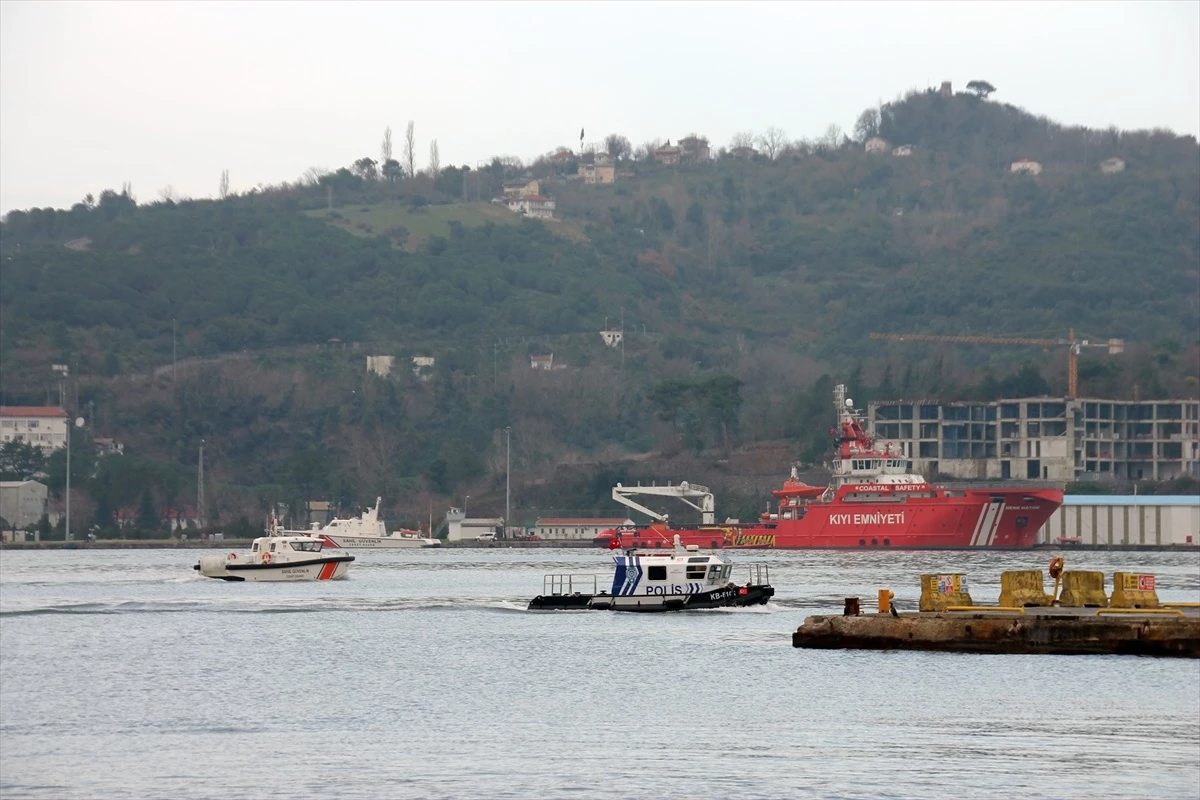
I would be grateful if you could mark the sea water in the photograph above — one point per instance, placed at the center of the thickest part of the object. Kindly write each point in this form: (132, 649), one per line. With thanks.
(125, 675)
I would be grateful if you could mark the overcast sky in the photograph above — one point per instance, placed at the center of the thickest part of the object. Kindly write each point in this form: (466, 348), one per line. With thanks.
(94, 94)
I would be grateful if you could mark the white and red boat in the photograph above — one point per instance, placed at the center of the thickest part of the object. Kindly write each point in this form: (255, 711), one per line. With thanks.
(872, 501)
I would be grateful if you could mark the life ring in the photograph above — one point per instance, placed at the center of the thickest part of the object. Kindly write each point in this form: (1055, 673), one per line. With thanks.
(1056, 566)
(233, 556)
(266, 558)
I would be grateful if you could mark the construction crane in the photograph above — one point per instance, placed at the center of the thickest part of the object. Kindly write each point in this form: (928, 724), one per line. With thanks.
(1073, 344)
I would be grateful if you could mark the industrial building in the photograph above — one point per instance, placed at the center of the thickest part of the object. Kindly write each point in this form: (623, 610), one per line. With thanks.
(1044, 438)
(1125, 521)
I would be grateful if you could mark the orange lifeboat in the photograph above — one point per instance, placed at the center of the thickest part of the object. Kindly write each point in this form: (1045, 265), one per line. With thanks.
(796, 488)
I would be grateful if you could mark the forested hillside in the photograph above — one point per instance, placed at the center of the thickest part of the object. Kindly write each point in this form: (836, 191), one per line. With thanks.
(738, 282)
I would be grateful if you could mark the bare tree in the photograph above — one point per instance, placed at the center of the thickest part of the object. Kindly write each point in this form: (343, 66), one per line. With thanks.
(410, 150)
(435, 163)
(772, 140)
(312, 176)
(385, 149)
(867, 125)
(646, 151)
(617, 146)
(745, 139)
(167, 193)
(833, 137)
(223, 190)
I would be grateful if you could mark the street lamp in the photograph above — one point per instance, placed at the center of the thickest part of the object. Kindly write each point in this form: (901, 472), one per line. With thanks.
(507, 476)
(465, 499)
(67, 529)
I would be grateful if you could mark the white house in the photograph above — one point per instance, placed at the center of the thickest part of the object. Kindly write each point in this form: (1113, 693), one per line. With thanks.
(877, 145)
(42, 426)
(1026, 165)
(612, 338)
(380, 365)
(903, 150)
(535, 205)
(575, 528)
(423, 366)
(1112, 165)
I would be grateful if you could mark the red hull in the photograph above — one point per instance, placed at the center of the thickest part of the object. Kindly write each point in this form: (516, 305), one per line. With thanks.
(937, 518)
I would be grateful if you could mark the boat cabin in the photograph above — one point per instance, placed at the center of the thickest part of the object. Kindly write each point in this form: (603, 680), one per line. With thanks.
(285, 548)
(668, 573)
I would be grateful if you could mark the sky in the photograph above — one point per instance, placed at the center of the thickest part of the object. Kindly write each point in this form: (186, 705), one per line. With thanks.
(168, 94)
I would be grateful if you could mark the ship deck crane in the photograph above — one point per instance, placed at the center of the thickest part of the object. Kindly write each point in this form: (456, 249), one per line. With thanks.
(1073, 344)
(682, 492)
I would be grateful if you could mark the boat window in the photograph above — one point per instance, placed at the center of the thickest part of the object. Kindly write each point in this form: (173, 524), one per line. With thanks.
(726, 570)
(307, 547)
(658, 573)
(272, 547)
(694, 559)
(714, 572)
(255, 548)
(695, 572)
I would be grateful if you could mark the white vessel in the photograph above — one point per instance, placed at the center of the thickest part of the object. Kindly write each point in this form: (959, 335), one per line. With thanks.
(648, 580)
(368, 530)
(286, 557)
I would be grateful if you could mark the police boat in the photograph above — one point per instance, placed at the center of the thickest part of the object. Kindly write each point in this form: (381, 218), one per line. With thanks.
(668, 580)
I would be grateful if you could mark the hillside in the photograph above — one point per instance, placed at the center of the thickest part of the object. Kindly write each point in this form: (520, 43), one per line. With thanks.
(739, 281)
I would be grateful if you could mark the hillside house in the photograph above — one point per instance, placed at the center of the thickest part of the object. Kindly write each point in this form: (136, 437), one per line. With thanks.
(534, 206)
(947, 90)
(903, 151)
(107, 446)
(562, 156)
(1111, 166)
(876, 145)
(44, 427)
(602, 158)
(545, 362)
(668, 155)
(22, 503)
(612, 338)
(522, 188)
(380, 365)
(694, 149)
(597, 173)
(1027, 166)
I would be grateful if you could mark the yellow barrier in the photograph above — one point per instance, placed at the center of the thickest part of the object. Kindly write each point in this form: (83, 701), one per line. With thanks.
(1083, 589)
(1181, 605)
(939, 591)
(1133, 590)
(1013, 609)
(885, 600)
(1023, 588)
(1172, 611)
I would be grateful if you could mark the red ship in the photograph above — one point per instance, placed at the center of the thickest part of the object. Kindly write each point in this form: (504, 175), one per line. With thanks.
(872, 501)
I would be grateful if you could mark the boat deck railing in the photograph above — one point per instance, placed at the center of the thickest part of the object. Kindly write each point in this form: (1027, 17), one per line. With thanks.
(760, 575)
(567, 584)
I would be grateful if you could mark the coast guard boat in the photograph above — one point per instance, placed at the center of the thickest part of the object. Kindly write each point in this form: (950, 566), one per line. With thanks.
(368, 530)
(658, 581)
(873, 500)
(281, 556)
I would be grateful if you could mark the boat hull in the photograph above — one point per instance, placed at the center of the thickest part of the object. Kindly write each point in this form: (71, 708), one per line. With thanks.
(725, 597)
(324, 569)
(949, 519)
(378, 542)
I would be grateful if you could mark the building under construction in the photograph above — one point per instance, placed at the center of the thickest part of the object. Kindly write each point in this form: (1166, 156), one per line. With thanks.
(1044, 438)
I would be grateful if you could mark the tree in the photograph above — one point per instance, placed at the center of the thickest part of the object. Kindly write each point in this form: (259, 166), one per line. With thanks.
(20, 461)
(385, 149)
(833, 137)
(392, 171)
(365, 168)
(772, 141)
(410, 150)
(223, 189)
(617, 146)
(435, 163)
(147, 518)
(981, 88)
(867, 125)
(745, 139)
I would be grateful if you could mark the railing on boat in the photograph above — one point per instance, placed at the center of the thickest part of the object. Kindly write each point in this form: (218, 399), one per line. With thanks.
(566, 584)
(760, 575)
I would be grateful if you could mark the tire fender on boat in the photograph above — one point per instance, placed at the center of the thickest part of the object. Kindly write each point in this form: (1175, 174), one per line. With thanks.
(266, 558)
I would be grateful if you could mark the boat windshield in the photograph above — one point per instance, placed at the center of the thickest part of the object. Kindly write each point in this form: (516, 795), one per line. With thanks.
(308, 547)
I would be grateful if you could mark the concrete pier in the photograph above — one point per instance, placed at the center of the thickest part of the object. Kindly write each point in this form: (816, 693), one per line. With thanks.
(1049, 630)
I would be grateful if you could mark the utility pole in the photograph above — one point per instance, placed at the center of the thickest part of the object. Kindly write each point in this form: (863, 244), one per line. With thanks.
(202, 517)
(507, 481)
(172, 350)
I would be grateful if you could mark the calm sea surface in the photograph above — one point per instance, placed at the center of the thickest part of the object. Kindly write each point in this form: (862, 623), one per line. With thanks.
(122, 675)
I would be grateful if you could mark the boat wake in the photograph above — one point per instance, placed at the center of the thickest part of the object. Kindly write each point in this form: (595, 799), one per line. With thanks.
(297, 606)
